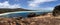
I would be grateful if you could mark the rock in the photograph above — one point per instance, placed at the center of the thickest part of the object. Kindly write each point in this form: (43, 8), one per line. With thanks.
(56, 11)
(31, 15)
(19, 18)
(44, 14)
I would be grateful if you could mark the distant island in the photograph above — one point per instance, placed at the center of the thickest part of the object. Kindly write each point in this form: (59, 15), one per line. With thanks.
(3, 10)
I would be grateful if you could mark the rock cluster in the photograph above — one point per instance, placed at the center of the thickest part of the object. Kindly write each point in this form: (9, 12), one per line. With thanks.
(56, 11)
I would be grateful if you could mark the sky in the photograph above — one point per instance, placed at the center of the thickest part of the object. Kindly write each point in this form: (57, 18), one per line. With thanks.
(30, 4)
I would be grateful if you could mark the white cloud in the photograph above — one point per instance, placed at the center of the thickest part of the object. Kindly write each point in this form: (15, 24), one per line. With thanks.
(35, 3)
(48, 8)
(41, 9)
(7, 5)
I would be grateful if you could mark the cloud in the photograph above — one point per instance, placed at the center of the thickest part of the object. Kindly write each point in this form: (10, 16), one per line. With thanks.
(48, 8)
(42, 9)
(35, 3)
(7, 5)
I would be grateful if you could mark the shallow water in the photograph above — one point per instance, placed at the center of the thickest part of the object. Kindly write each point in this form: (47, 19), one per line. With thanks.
(23, 14)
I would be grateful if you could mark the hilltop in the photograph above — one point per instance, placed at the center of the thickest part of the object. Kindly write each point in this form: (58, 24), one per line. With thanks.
(3, 10)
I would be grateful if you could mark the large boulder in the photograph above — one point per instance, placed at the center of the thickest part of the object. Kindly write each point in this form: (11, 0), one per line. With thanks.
(56, 11)
(31, 15)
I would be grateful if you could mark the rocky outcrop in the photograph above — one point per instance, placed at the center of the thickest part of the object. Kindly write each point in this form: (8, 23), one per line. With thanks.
(31, 15)
(32, 21)
(56, 11)
(41, 21)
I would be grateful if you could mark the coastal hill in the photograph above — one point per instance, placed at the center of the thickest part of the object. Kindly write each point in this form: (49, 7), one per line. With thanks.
(3, 10)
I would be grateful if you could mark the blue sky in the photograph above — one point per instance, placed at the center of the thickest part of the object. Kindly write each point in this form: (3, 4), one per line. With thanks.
(30, 4)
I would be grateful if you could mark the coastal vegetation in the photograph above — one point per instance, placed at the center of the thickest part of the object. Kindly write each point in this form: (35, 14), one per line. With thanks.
(4, 10)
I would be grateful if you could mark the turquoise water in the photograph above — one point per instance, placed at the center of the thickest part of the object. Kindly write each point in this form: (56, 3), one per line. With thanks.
(23, 13)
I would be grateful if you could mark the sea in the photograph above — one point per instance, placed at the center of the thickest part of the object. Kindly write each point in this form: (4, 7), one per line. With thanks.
(22, 13)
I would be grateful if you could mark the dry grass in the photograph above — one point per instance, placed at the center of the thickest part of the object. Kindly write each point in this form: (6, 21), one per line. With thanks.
(40, 20)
